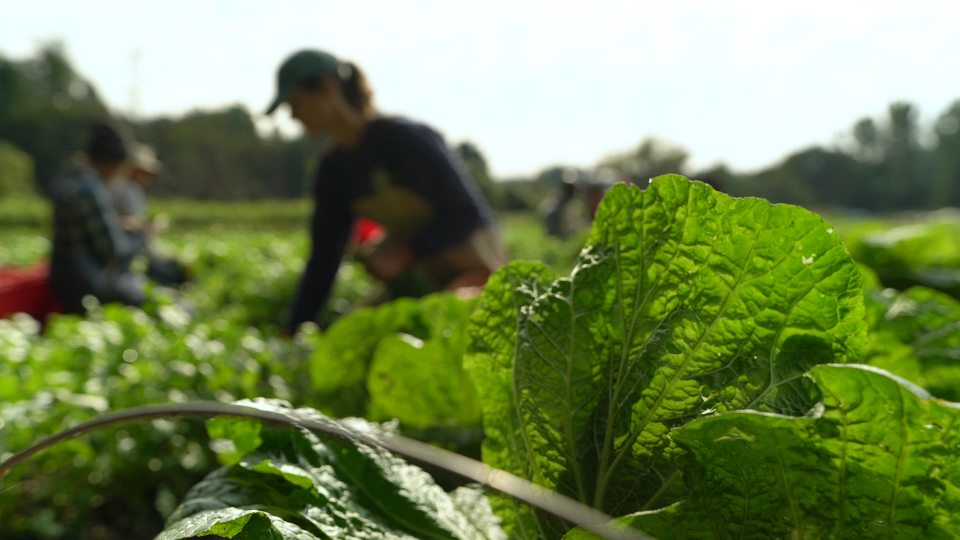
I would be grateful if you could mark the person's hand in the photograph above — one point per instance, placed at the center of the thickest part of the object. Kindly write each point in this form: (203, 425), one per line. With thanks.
(131, 224)
(385, 263)
(159, 224)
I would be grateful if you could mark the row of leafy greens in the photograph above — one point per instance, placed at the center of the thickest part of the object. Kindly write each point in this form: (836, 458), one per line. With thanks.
(921, 253)
(689, 377)
(122, 482)
(914, 334)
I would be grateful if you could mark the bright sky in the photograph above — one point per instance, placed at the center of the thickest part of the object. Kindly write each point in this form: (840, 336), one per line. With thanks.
(536, 83)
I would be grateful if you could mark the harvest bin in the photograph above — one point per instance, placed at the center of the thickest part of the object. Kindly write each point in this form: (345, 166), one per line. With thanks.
(27, 290)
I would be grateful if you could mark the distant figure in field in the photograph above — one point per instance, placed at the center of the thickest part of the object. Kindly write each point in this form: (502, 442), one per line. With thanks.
(595, 192)
(91, 249)
(562, 213)
(394, 171)
(130, 200)
(129, 194)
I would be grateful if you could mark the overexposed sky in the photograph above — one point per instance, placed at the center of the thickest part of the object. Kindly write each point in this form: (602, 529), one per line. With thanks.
(535, 83)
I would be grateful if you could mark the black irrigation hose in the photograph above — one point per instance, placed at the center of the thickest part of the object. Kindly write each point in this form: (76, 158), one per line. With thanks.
(502, 481)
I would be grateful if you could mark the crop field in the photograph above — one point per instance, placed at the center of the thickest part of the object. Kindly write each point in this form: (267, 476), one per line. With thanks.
(696, 366)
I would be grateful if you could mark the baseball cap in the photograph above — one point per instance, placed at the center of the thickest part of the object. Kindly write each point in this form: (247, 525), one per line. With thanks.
(144, 158)
(298, 67)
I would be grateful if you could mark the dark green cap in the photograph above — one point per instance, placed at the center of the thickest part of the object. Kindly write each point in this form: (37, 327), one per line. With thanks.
(299, 67)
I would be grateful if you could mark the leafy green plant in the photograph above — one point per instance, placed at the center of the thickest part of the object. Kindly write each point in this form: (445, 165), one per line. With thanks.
(400, 360)
(685, 303)
(922, 253)
(915, 334)
(677, 378)
(16, 172)
(21, 247)
(524, 235)
(120, 483)
(289, 484)
(249, 278)
(876, 460)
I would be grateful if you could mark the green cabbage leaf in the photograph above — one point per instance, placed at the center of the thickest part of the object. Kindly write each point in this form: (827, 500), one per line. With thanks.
(286, 483)
(876, 460)
(684, 303)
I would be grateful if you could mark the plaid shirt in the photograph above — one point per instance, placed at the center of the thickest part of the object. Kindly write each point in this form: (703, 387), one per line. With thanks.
(89, 243)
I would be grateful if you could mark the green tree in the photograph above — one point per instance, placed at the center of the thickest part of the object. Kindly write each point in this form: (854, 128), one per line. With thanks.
(886, 168)
(649, 159)
(867, 138)
(219, 155)
(16, 172)
(812, 177)
(476, 164)
(946, 158)
(46, 108)
(905, 183)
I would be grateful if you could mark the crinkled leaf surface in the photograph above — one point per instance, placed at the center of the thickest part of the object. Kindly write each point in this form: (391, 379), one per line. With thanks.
(421, 382)
(915, 334)
(494, 327)
(399, 360)
(685, 302)
(878, 461)
(236, 524)
(339, 364)
(242, 436)
(329, 489)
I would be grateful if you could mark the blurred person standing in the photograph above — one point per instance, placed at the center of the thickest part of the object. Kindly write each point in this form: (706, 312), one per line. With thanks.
(394, 171)
(91, 249)
(563, 213)
(595, 192)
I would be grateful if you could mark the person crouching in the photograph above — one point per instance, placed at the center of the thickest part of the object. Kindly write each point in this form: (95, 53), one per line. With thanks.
(91, 250)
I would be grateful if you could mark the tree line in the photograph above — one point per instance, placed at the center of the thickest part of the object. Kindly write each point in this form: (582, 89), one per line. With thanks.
(884, 164)
(46, 109)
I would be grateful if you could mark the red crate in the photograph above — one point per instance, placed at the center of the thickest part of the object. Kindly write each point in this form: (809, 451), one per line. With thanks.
(27, 290)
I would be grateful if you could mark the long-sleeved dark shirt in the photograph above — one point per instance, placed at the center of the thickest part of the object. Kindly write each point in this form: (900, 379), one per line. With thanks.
(90, 247)
(393, 153)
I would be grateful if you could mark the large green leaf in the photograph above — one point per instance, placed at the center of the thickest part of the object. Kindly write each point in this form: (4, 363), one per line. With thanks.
(493, 351)
(339, 364)
(878, 460)
(421, 382)
(237, 524)
(401, 360)
(326, 489)
(685, 302)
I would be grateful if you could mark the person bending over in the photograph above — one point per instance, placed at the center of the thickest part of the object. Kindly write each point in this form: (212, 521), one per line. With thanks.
(91, 249)
(392, 170)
